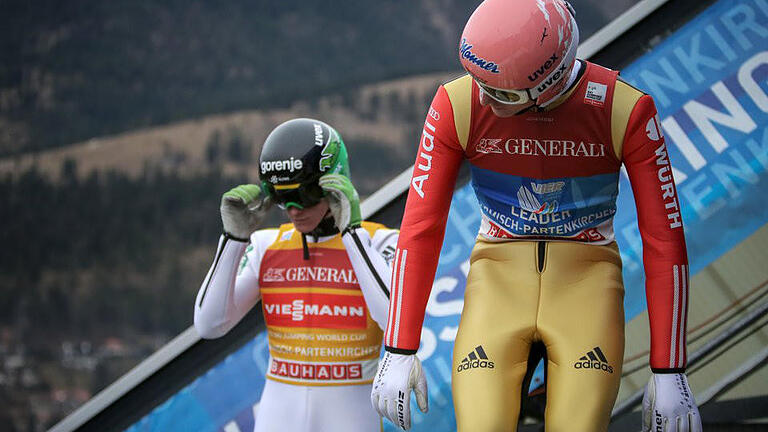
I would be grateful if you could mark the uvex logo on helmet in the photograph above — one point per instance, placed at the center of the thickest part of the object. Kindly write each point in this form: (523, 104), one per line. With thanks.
(482, 63)
(290, 165)
(552, 79)
(544, 67)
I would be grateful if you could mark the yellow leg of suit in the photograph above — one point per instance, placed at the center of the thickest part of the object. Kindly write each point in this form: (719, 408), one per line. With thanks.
(568, 296)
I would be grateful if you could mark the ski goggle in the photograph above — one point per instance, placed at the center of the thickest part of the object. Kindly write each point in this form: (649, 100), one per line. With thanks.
(507, 97)
(294, 195)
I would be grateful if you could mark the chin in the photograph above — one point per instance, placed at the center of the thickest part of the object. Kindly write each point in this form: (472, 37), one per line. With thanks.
(503, 112)
(304, 227)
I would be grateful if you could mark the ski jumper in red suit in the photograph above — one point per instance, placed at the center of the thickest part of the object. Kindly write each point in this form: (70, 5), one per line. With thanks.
(545, 267)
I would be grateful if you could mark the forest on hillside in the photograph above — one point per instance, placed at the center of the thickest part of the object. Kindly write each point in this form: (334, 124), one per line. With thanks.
(72, 70)
(100, 273)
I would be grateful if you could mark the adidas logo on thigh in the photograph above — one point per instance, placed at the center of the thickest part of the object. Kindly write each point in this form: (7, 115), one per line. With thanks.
(594, 359)
(475, 359)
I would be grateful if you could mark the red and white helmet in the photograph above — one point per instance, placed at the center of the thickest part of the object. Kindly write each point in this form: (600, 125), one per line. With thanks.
(520, 50)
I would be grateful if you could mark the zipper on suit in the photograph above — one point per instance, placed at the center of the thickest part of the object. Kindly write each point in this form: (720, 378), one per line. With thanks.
(542, 255)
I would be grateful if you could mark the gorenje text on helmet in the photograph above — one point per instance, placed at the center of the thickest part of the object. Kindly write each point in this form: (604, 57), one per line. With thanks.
(291, 165)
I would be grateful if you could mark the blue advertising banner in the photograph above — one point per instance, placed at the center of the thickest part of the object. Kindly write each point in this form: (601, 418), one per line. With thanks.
(710, 83)
(225, 398)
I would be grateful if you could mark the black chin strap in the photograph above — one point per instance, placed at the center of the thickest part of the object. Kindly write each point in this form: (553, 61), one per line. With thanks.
(304, 245)
(326, 227)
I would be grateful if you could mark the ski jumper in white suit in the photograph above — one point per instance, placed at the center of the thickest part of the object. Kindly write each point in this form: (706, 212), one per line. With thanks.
(324, 318)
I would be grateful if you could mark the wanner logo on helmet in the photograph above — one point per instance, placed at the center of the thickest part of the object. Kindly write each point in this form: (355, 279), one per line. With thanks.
(466, 53)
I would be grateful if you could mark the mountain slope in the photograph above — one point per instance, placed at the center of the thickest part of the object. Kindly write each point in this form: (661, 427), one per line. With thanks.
(73, 70)
(380, 124)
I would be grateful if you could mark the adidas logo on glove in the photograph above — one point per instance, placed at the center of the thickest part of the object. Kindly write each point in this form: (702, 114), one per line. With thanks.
(475, 359)
(594, 359)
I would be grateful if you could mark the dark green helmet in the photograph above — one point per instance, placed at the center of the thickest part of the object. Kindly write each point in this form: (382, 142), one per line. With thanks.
(295, 155)
(299, 151)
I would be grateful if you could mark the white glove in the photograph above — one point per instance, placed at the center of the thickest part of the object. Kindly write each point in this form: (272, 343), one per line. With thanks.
(668, 405)
(242, 209)
(391, 394)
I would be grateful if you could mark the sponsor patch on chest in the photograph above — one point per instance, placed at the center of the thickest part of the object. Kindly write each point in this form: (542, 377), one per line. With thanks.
(312, 309)
(595, 94)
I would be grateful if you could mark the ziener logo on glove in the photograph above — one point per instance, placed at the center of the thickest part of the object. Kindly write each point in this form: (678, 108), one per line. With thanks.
(401, 408)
